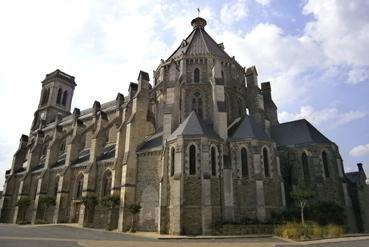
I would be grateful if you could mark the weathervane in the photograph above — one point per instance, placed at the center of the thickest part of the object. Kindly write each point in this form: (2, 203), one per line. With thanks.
(198, 12)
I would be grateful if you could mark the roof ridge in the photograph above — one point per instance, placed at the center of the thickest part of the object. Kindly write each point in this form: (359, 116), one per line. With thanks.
(203, 39)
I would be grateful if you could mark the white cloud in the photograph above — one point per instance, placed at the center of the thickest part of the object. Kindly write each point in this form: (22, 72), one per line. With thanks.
(326, 115)
(357, 75)
(360, 150)
(341, 28)
(263, 2)
(279, 57)
(231, 13)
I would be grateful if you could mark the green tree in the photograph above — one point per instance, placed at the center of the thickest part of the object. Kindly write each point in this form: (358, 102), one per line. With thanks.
(134, 209)
(110, 202)
(301, 195)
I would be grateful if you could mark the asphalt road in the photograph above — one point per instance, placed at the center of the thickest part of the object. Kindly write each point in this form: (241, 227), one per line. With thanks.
(69, 236)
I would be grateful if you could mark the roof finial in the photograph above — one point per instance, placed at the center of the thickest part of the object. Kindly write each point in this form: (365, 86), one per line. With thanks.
(198, 12)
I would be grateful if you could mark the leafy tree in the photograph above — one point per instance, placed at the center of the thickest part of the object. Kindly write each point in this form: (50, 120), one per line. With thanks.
(327, 212)
(301, 195)
(110, 202)
(134, 209)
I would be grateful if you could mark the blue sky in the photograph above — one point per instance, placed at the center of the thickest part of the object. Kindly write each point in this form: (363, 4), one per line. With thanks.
(314, 53)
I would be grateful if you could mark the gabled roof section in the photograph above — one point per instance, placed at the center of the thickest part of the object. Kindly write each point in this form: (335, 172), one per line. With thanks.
(297, 132)
(247, 128)
(193, 126)
(199, 42)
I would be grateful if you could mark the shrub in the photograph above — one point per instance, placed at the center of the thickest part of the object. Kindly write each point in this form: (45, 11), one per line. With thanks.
(332, 231)
(310, 230)
(110, 201)
(327, 213)
(249, 221)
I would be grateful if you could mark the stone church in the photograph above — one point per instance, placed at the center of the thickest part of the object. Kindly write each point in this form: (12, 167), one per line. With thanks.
(199, 144)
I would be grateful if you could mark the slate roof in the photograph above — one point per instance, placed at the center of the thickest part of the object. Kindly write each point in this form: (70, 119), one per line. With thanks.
(297, 132)
(152, 142)
(193, 126)
(108, 152)
(247, 128)
(199, 42)
(353, 177)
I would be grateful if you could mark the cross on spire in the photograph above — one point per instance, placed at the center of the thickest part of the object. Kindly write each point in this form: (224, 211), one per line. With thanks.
(198, 12)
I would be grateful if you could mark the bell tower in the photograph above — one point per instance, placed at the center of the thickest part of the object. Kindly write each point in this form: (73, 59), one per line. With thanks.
(56, 98)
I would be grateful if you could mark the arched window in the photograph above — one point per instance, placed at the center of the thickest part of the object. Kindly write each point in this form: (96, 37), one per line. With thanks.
(197, 104)
(106, 183)
(62, 148)
(45, 96)
(56, 186)
(196, 75)
(65, 96)
(305, 166)
(44, 149)
(79, 187)
(240, 107)
(58, 98)
(192, 160)
(325, 164)
(172, 160)
(266, 162)
(213, 162)
(244, 163)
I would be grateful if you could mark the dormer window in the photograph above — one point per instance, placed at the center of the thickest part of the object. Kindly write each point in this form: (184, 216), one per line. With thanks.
(196, 75)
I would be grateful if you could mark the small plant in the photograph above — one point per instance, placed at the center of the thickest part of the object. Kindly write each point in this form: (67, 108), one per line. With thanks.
(301, 196)
(110, 201)
(134, 209)
(310, 230)
(327, 213)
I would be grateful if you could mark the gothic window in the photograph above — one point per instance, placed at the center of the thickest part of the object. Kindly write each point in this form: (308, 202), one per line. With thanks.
(45, 96)
(197, 105)
(192, 160)
(305, 167)
(222, 76)
(65, 96)
(244, 163)
(172, 157)
(266, 162)
(325, 164)
(196, 75)
(56, 185)
(62, 148)
(79, 187)
(106, 183)
(240, 107)
(44, 149)
(213, 162)
(58, 98)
